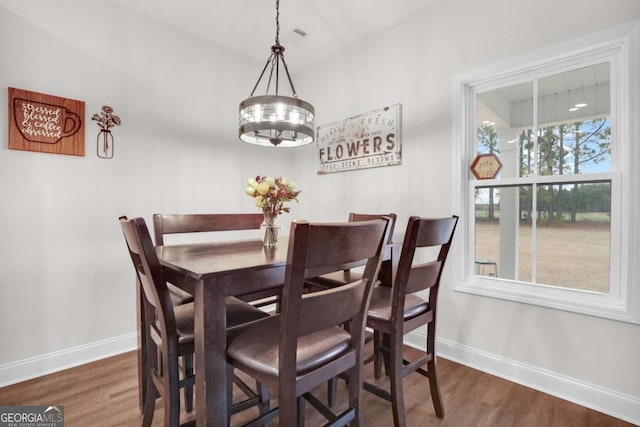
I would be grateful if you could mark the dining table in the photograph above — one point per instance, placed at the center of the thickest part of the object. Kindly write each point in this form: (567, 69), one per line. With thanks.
(211, 272)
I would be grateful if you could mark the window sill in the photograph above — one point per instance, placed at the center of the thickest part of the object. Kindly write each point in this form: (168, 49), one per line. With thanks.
(572, 300)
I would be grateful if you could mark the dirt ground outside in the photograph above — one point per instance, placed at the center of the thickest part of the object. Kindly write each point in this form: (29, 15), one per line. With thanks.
(568, 255)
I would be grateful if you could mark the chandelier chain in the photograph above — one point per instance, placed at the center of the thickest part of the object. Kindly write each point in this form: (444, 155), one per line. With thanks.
(277, 22)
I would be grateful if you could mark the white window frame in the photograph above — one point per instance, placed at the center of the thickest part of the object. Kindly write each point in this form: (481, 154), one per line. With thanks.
(621, 47)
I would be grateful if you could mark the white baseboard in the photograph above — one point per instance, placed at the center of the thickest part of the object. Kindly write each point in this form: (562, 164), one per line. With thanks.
(26, 369)
(610, 402)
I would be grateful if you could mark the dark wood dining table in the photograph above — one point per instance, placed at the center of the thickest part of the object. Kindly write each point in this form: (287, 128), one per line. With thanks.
(213, 271)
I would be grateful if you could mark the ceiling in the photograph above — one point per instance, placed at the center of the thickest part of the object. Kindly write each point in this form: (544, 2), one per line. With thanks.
(249, 27)
(571, 95)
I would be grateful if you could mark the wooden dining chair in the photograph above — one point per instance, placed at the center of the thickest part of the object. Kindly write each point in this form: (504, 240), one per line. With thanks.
(339, 278)
(166, 224)
(178, 297)
(395, 311)
(305, 345)
(347, 275)
(169, 328)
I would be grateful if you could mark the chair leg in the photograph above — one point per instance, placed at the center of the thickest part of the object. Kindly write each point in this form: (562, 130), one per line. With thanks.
(386, 352)
(150, 402)
(171, 399)
(188, 389)
(395, 377)
(435, 390)
(143, 343)
(264, 397)
(332, 391)
(300, 410)
(354, 384)
(150, 362)
(142, 371)
(377, 356)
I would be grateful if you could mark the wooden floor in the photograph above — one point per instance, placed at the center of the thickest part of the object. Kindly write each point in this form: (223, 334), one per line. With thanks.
(104, 393)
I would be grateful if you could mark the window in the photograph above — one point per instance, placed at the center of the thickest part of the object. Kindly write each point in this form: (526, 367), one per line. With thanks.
(555, 226)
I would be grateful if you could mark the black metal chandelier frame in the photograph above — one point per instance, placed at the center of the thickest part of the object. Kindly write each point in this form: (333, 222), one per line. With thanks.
(276, 120)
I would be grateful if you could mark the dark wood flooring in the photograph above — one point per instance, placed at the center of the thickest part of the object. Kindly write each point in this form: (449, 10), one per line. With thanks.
(104, 393)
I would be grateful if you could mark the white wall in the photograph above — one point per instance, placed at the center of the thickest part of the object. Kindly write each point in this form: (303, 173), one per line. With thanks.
(65, 277)
(585, 359)
(65, 280)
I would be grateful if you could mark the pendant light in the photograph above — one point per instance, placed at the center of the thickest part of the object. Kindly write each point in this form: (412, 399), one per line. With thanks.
(276, 120)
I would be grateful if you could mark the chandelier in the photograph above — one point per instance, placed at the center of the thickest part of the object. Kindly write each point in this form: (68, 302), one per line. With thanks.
(276, 120)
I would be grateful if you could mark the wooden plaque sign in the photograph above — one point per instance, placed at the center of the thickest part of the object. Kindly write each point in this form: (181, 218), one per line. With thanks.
(45, 123)
(368, 140)
(486, 166)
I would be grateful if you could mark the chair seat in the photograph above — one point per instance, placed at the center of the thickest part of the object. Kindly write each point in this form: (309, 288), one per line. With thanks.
(238, 312)
(256, 347)
(184, 322)
(179, 296)
(337, 278)
(380, 307)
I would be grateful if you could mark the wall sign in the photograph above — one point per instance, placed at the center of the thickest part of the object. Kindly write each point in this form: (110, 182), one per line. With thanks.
(45, 123)
(485, 166)
(369, 140)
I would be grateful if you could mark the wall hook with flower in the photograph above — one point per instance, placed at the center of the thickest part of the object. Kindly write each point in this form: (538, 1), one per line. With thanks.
(106, 120)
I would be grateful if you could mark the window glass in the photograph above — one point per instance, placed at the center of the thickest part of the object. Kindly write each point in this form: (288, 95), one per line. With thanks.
(573, 235)
(574, 121)
(550, 233)
(503, 232)
(502, 114)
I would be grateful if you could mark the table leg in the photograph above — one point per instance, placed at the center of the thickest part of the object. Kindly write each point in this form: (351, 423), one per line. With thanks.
(210, 363)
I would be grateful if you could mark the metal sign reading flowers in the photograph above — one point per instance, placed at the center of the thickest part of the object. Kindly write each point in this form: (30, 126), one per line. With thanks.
(270, 194)
(368, 140)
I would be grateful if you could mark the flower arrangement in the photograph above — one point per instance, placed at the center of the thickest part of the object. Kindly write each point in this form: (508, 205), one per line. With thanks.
(106, 119)
(270, 194)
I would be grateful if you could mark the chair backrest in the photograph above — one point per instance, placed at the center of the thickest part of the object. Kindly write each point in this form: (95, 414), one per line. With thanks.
(158, 305)
(319, 248)
(422, 233)
(354, 216)
(195, 223)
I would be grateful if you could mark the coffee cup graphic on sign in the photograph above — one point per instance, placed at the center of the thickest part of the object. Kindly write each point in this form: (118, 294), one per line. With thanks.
(45, 123)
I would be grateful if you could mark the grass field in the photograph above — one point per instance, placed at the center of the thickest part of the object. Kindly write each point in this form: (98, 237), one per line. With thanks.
(573, 255)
